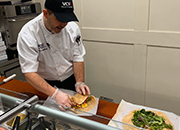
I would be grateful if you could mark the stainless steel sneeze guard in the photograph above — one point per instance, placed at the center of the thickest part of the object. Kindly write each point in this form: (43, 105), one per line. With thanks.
(76, 120)
(17, 109)
(79, 121)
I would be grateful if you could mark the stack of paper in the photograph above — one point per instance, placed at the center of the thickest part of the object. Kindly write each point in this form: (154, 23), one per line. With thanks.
(3, 55)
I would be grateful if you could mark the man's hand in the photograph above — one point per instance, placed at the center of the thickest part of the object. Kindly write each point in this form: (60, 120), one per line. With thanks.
(82, 88)
(62, 98)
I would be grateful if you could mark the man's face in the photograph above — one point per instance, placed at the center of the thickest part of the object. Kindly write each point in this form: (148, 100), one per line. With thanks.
(52, 24)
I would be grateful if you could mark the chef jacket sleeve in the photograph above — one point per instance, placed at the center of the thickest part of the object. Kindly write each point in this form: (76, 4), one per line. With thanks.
(28, 52)
(79, 50)
(79, 54)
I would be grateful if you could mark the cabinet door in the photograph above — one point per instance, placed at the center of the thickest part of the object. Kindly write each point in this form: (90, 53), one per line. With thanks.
(163, 74)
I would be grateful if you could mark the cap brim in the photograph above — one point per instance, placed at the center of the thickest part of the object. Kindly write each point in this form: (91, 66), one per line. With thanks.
(65, 17)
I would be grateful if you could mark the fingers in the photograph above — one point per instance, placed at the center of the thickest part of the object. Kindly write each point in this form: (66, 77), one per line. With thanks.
(65, 106)
(63, 99)
(62, 108)
(79, 90)
(68, 102)
(83, 89)
(87, 90)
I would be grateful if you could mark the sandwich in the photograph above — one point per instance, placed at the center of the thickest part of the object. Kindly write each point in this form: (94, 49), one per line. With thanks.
(82, 103)
(151, 120)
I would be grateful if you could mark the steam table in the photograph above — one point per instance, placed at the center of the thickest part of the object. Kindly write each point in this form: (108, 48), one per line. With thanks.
(105, 108)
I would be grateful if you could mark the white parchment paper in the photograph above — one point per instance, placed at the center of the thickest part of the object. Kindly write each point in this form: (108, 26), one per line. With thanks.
(52, 104)
(125, 107)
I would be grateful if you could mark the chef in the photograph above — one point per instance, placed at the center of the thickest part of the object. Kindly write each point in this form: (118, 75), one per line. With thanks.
(51, 52)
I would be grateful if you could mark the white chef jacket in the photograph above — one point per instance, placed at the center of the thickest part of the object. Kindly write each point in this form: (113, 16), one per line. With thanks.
(49, 55)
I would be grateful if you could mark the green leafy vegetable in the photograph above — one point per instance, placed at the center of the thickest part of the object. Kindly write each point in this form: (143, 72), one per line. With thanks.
(148, 119)
(88, 99)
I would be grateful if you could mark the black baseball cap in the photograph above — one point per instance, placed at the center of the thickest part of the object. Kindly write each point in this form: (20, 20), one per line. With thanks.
(62, 9)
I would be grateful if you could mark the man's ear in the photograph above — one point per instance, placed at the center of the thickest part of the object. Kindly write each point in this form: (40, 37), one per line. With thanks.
(45, 12)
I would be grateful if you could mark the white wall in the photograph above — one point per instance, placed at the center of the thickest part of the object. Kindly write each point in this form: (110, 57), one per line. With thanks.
(133, 50)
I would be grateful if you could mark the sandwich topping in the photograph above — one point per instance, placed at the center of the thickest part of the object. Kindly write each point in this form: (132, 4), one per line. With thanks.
(84, 104)
(148, 119)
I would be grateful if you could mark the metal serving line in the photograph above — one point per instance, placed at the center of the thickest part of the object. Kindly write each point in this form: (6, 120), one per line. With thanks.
(32, 105)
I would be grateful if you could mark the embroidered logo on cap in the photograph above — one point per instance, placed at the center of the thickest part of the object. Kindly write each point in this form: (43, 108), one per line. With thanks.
(66, 5)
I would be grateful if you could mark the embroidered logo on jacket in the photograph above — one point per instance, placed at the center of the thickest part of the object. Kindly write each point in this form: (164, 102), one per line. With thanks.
(78, 39)
(42, 47)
